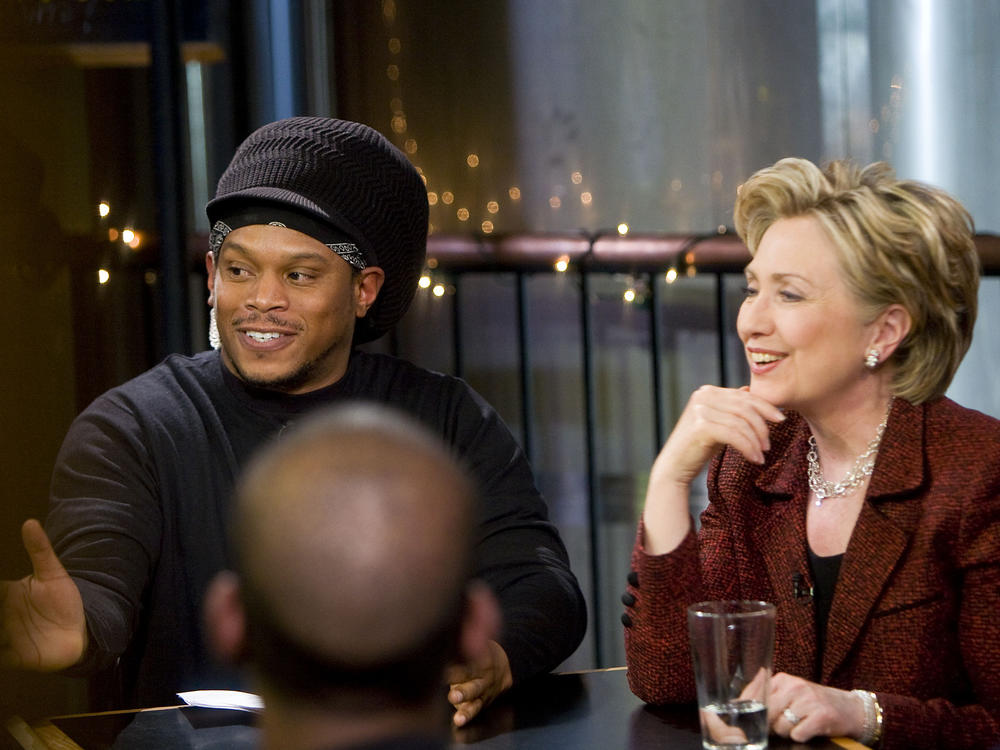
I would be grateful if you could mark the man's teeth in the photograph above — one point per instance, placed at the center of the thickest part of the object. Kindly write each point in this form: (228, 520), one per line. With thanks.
(761, 358)
(262, 337)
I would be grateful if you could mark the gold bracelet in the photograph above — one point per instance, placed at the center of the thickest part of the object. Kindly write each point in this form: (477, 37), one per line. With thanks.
(872, 732)
(877, 735)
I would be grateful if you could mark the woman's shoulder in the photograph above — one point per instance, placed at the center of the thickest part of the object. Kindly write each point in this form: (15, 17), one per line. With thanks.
(943, 414)
(960, 431)
(962, 448)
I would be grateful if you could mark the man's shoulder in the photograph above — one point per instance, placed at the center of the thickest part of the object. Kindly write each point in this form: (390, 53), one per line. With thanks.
(386, 371)
(168, 405)
(177, 378)
(380, 362)
(434, 397)
(174, 368)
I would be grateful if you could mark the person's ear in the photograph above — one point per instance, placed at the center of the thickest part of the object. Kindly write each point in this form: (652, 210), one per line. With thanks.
(369, 282)
(480, 623)
(210, 267)
(891, 327)
(225, 618)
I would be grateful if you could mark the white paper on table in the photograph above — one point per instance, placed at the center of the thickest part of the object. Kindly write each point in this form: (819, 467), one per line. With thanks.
(233, 699)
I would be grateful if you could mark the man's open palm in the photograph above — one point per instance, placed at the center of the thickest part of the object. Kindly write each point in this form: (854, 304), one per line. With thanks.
(42, 626)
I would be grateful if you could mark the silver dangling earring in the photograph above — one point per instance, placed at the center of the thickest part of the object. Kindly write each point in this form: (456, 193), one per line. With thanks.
(213, 330)
(871, 358)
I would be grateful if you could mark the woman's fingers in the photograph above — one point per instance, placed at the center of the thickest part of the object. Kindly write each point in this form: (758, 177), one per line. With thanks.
(724, 416)
(800, 709)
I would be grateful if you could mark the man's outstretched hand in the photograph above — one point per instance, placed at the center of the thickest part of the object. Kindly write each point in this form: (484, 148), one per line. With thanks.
(475, 686)
(42, 625)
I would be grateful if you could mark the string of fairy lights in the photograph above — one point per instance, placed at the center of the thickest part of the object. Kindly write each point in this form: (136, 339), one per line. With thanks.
(125, 236)
(444, 198)
(635, 287)
(441, 197)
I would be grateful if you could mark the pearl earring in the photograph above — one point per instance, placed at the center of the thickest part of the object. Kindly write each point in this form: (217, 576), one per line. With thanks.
(871, 359)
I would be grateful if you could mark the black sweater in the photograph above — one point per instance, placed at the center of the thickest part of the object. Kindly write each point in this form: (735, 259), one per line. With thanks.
(144, 477)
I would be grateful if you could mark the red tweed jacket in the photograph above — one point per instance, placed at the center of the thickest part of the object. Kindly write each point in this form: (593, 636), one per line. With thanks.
(915, 615)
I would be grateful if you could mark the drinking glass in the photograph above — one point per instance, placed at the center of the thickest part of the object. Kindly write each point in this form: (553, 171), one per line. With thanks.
(732, 646)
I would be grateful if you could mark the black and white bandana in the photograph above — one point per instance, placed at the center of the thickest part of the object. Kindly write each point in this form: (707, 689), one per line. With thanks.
(278, 216)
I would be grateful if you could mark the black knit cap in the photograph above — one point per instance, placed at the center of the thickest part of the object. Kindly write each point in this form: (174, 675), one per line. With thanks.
(347, 175)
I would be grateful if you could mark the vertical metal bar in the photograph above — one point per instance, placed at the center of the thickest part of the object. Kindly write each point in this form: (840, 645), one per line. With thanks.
(262, 107)
(286, 67)
(320, 92)
(197, 141)
(656, 353)
(593, 500)
(722, 315)
(524, 352)
(456, 327)
(168, 151)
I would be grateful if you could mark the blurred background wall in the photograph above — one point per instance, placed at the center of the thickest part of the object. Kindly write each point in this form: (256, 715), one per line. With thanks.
(551, 127)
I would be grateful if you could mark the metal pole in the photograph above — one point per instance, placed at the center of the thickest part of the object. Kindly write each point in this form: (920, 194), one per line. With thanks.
(656, 334)
(168, 150)
(527, 400)
(721, 327)
(593, 500)
(287, 85)
(456, 328)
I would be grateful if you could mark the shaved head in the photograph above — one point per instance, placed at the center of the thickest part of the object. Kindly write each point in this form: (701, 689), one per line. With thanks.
(353, 533)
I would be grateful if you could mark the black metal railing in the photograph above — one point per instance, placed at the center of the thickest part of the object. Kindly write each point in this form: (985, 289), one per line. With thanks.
(594, 264)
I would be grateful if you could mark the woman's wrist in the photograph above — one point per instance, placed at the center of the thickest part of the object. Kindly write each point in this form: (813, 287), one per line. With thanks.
(666, 517)
(871, 733)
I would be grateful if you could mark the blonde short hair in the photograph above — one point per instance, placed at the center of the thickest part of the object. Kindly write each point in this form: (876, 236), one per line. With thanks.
(899, 242)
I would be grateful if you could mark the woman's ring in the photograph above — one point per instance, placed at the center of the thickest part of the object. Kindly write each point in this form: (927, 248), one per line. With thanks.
(790, 717)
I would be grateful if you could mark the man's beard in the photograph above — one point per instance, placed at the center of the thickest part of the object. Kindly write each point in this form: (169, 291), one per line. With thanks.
(293, 380)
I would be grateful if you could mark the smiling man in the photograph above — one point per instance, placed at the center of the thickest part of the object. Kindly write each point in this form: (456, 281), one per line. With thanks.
(287, 306)
(318, 237)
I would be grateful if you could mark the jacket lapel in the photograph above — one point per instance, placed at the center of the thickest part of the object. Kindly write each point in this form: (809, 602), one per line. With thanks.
(778, 530)
(888, 518)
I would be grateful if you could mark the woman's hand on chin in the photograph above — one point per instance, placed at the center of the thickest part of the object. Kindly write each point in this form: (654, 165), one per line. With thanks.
(713, 418)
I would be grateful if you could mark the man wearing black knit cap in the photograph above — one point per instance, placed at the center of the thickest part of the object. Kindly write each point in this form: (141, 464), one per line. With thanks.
(318, 237)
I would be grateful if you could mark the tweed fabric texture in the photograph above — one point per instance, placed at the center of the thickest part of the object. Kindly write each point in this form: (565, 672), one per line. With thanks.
(348, 175)
(914, 615)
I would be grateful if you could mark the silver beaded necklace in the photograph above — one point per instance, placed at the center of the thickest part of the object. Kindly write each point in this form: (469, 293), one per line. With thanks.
(863, 467)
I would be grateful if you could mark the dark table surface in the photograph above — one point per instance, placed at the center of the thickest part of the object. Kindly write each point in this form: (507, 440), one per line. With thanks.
(591, 710)
(577, 711)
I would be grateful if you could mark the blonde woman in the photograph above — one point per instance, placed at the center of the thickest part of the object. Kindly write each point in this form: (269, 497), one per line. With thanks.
(844, 487)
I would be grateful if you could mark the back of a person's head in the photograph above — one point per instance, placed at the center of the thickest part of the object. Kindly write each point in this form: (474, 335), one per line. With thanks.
(353, 533)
